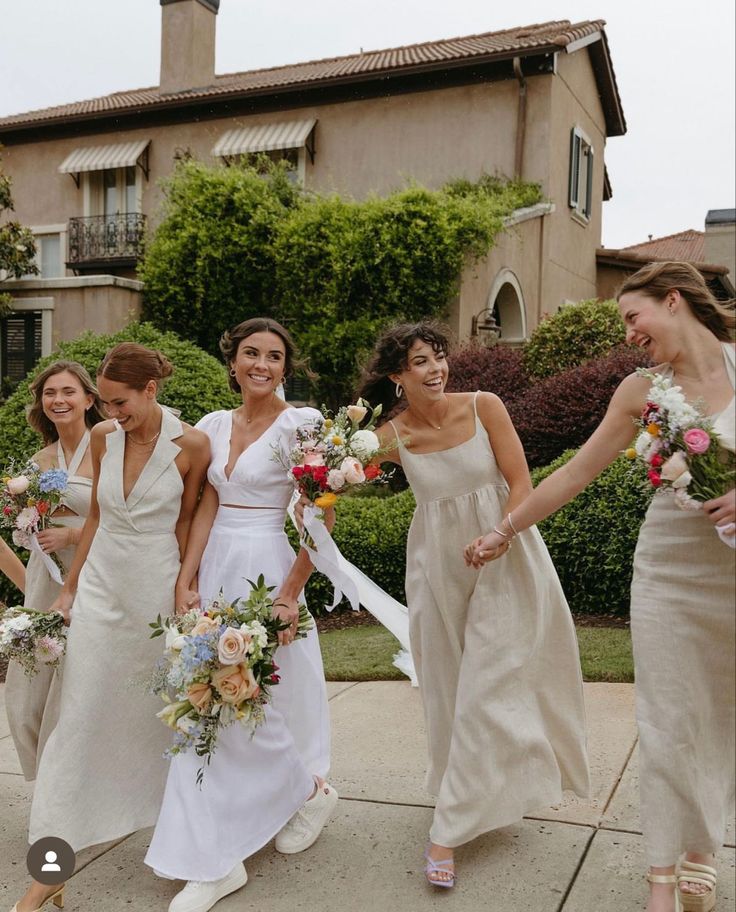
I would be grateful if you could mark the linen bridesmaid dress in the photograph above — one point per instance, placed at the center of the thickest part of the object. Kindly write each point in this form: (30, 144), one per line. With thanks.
(32, 704)
(253, 785)
(495, 652)
(682, 627)
(102, 772)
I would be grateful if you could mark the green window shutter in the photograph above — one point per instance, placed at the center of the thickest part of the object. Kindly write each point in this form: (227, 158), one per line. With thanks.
(574, 168)
(589, 187)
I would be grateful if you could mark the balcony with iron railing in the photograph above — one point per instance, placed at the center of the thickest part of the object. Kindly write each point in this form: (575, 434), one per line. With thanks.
(106, 241)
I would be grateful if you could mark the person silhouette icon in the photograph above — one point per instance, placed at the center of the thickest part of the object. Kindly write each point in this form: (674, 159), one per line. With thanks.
(51, 864)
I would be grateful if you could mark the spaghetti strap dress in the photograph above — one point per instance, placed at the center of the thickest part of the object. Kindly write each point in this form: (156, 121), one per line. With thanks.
(682, 627)
(254, 783)
(495, 652)
(32, 704)
(102, 772)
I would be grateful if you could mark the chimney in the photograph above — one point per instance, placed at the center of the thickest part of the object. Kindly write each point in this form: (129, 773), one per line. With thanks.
(187, 44)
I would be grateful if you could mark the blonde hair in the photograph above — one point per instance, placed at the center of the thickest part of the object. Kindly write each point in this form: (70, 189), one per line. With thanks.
(657, 279)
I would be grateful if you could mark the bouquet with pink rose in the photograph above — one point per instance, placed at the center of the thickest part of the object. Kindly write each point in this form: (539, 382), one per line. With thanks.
(218, 668)
(32, 638)
(681, 449)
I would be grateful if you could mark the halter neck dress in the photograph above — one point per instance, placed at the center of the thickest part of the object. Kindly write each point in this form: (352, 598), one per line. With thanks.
(253, 785)
(102, 773)
(33, 703)
(495, 652)
(682, 626)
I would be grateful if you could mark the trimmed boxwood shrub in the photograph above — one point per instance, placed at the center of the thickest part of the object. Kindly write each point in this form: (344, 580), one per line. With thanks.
(197, 386)
(573, 335)
(560, 412)
(592, 539)
(497, 369)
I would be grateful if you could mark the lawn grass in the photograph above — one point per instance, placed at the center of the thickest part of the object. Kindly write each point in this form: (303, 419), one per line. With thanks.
(365, 654)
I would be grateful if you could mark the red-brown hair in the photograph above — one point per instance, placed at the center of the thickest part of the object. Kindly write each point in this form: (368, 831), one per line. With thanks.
(135, 365)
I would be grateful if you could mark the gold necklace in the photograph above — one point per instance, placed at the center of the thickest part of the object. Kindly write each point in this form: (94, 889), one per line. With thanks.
(437, 427)
(143, 442)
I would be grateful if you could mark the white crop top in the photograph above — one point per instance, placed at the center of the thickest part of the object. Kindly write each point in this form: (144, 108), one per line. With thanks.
(257, 479)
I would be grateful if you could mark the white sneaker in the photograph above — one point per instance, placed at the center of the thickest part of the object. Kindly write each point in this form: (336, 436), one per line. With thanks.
(304, 828)
(201, 895)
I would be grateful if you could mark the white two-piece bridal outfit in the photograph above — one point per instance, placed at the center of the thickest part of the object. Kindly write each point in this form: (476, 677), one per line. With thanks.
(253, 784)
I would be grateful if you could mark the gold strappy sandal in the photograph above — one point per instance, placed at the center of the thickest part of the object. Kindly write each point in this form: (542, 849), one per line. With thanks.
(690, 872)
(666, 879)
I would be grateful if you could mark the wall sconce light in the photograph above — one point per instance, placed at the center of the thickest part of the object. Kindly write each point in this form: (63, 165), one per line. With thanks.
(486, 325)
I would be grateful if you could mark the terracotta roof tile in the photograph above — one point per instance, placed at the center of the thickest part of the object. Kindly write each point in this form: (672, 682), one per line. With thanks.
(685, 245)
(523, 40)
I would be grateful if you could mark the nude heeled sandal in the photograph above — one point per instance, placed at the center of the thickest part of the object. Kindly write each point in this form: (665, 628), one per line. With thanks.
(56, 898)
(666, 879)
(690, 872)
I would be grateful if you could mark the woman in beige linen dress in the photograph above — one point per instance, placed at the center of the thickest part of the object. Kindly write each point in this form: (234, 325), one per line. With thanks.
(496, 654)
(102, 772)
(682, 596)
(65, 406)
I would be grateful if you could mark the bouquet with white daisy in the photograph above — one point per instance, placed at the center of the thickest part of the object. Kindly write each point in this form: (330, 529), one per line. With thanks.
(32, 638)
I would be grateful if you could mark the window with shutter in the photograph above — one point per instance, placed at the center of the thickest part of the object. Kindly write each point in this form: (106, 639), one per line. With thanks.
(581, 174)
(20, 344)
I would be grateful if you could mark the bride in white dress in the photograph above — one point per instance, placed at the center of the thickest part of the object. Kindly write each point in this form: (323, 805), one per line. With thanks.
(272, 783)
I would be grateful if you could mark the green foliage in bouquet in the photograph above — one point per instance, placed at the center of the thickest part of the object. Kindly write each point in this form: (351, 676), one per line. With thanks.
(573, 335)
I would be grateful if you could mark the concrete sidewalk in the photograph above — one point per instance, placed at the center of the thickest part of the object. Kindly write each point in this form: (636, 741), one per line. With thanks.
(580, 857)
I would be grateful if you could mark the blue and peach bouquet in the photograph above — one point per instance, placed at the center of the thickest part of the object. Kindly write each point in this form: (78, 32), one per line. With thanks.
(28, 498)
(218, 668)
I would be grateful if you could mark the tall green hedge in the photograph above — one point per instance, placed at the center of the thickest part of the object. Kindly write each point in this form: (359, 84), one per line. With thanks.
(575, 334)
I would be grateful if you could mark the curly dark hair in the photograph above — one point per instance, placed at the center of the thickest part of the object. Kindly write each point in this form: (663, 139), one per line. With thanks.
(391, 355)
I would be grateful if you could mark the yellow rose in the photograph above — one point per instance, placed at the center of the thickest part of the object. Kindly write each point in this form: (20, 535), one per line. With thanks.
(200, 696)
(235, 683)
(204, 625)
(326, 500)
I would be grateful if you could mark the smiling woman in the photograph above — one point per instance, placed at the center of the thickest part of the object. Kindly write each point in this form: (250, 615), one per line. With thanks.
(682, 618)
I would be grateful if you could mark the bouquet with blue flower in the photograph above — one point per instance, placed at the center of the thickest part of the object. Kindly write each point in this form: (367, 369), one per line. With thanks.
(218, 668)
(28, 498)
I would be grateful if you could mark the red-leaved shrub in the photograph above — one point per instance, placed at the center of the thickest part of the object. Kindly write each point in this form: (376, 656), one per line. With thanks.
(496, 369)
(560, 412)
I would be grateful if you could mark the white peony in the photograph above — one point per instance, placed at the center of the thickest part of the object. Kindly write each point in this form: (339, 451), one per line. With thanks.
(364, 444)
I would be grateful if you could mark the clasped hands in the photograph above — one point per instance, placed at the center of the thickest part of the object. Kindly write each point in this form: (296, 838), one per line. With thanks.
(486, 548)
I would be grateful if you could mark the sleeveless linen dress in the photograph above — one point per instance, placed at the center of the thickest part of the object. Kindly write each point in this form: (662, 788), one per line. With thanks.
(682, 626)
(495, 652)
(102, 772)
(253, 785)
(32, 704)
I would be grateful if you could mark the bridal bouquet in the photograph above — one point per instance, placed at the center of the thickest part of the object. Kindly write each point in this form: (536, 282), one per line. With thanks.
(28, 497)
(332, 453)
(218, 668)
(32, 638)
(681, 450)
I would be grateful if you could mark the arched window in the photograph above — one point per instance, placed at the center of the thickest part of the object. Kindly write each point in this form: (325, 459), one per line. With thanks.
(506, 301)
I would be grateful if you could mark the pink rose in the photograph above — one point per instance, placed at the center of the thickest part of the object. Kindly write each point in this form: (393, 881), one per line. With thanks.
(674, 467)
(18, 485)
(696, 440)
(200, 696)
(204, 625)
(313, 458)
(235, 683)
(352, 470)
(335, 479)
(231, 647)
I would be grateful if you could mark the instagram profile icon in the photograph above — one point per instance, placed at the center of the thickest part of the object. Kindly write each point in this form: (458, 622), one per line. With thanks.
(50, 861)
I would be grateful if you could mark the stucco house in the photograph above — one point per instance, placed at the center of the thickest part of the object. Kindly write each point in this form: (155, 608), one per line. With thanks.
(537, 102)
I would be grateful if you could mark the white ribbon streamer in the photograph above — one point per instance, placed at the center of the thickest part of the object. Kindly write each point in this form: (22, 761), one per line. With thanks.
(48, 561)
(358, 588)
(727, 534)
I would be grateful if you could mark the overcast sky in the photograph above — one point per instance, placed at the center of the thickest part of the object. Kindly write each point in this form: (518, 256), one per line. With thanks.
(674, 62)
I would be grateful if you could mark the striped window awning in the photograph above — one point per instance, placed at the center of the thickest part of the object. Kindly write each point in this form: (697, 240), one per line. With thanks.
(293, 134)
(100, 158)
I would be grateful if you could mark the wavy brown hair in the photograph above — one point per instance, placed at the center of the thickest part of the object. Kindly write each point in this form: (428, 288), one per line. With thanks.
(657, 279)
(391, 355)
(36, 417)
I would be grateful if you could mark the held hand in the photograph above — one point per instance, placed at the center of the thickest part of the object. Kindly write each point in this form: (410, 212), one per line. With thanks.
(299, 512)
(484, 549)
(185, 599)
(286, 610)
(55, 539)
(63, 605)
(722, 510)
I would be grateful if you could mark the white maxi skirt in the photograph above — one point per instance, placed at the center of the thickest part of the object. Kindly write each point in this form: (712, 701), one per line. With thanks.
(253, 785)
